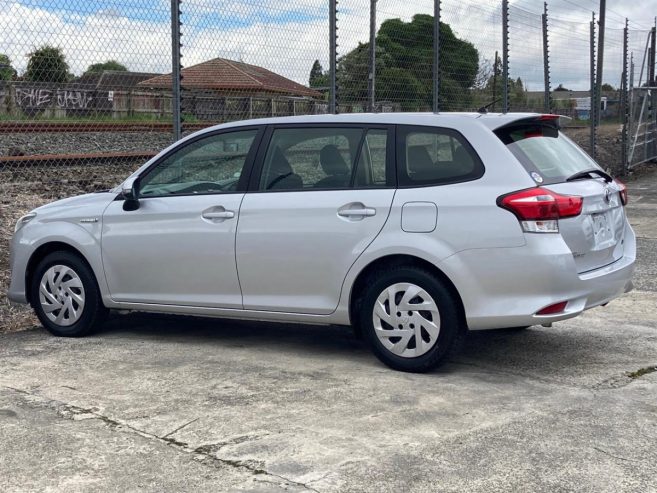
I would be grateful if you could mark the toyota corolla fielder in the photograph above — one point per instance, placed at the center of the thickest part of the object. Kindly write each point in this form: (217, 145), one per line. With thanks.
(411, 227)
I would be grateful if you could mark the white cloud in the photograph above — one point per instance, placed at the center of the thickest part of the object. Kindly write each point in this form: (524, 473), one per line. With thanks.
(141, 45)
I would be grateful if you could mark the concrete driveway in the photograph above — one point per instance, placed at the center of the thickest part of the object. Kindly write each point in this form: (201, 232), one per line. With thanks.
(156, 403)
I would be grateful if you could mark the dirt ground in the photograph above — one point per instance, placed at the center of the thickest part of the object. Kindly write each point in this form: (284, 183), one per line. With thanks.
(608, 148)
(20, 192)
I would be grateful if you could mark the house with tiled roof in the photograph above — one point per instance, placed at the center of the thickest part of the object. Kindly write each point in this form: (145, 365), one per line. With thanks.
(222, 89)
(233, 78)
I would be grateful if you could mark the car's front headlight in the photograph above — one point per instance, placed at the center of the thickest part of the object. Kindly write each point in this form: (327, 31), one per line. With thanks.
(24, 220)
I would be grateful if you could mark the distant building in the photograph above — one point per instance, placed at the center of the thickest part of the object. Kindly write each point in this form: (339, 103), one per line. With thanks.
(222, 89)
(216, 90)
(232, 78)
(112, 80)
(577, 104)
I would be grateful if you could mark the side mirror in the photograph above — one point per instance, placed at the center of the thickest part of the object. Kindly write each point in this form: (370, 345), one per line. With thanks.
(130, 192)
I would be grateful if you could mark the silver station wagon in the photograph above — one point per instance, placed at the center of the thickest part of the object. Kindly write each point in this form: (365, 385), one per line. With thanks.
(413, 228)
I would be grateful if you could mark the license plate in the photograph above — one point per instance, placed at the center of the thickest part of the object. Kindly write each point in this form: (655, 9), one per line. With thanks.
(601, 228)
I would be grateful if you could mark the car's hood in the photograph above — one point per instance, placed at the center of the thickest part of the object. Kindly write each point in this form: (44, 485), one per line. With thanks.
(87, 204)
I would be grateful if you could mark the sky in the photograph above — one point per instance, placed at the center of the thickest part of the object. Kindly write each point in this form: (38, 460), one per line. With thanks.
(286, 37)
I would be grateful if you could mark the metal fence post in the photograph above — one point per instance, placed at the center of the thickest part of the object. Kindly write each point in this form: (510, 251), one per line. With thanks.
(546, 61)
(592, 110)
(651, 59)
(624, 105)
(496, 67)
(600, 60)
(653, 93)
(436, 56)
(175, 69)
(333, 56)
(371, 83)
(505, 56)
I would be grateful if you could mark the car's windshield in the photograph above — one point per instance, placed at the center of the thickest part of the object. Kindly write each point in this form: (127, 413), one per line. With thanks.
(545, 152)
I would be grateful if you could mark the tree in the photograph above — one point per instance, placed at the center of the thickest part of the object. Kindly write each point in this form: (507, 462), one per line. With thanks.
(7, 72)
(607, 87)
(491, 87)
(404, 66)
(560, 87)
(318, 78)
(96, 68)
(47, 64)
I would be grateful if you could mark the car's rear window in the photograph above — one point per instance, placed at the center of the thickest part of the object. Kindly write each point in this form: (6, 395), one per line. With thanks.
(545, 152)
(428, 156)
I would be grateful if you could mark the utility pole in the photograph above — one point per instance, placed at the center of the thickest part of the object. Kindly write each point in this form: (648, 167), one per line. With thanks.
(371, 82)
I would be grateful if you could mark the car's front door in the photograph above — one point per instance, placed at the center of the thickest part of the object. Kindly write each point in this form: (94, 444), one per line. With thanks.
(318, 197)
(178, 246)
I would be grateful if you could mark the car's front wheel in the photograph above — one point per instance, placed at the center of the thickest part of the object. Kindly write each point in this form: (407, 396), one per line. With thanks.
(65, 295)
(411, 319)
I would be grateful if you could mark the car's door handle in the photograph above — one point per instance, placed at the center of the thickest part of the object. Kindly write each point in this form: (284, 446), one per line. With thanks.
(218, 214)
(364, 212)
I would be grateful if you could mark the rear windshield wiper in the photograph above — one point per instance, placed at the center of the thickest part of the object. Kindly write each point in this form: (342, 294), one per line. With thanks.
(581, 175)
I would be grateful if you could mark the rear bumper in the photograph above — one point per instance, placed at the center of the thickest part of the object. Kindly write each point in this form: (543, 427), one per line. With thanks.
(506, 287)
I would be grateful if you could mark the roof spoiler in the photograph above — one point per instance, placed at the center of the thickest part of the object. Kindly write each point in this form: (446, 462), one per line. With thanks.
(552, 120)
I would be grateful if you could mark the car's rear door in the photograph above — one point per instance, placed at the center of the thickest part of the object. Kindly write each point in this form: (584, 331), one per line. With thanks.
(595, 236)
(319, 195)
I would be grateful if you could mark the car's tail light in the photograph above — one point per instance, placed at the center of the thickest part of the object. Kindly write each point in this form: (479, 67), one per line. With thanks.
(622, 191)
(539, 209)
(552, 309)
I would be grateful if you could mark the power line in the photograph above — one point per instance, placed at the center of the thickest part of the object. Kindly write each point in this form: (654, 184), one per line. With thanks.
(584, 8)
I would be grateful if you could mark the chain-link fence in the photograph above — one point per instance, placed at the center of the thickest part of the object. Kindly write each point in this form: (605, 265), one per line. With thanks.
(89, 90)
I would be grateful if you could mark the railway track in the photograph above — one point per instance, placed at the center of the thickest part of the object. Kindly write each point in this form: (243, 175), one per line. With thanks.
(36, 160)
(71, 127)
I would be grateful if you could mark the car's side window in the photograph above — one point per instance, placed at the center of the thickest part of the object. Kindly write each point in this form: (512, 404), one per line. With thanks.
(212, 164)
(431, 155)
(324, 158)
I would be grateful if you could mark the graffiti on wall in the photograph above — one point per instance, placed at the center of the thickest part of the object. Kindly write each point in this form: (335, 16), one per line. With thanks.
(60, 98)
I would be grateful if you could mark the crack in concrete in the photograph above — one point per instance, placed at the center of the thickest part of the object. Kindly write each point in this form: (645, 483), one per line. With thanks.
(213, 448)
(612, 455)
(207, 454)
(642, 371)
(181, 427)
(626, 378)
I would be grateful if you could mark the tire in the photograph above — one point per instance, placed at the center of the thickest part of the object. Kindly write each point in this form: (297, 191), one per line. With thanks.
(69, 302)
(380, 322)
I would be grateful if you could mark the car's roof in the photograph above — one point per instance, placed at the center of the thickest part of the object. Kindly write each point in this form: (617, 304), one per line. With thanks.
(490, 120)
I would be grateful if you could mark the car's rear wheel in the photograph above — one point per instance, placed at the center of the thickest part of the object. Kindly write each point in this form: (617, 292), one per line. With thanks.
(65, 295)
(411, 319)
